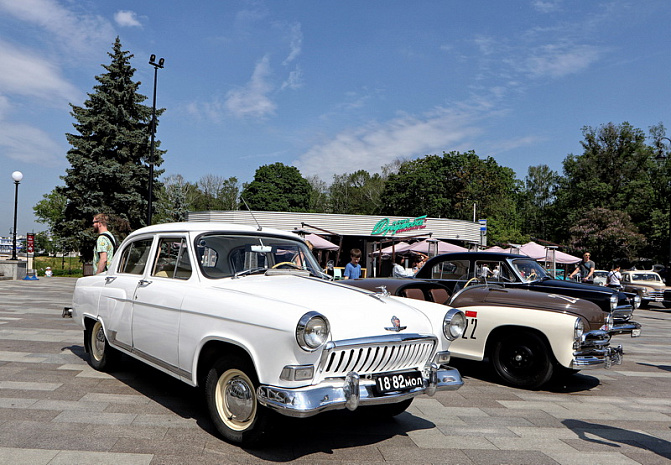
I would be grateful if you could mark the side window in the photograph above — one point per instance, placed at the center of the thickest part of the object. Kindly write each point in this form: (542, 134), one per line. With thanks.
(172, 259)
(451, 269)
(134, 257)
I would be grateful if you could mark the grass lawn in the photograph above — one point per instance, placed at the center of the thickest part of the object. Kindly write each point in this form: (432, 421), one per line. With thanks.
(61, 266)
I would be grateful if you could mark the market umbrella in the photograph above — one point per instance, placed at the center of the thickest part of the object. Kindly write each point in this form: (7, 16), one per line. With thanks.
(320, 243)
(428, 246)
(396, 248)
(540, 253)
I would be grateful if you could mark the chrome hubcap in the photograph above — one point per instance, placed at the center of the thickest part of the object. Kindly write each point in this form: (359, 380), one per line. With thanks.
(239, 399)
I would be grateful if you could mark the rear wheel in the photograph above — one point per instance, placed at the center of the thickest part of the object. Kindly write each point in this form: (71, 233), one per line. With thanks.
(230, 391)
(522, 359)
(101, 356)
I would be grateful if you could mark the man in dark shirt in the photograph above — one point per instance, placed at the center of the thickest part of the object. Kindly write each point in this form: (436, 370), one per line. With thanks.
(586, 269)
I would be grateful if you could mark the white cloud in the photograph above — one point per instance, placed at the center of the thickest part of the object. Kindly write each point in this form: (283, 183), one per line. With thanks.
(28, 144)
(295, 43)
(27, 74)
(70, 31)
(545, 6)
(295, 79)
(127, 18)
(252, 100)
(558, 60)
(375, 145)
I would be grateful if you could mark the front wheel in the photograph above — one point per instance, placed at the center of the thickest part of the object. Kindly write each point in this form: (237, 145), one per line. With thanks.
(101, 356)
(522, 359)
(230, 391)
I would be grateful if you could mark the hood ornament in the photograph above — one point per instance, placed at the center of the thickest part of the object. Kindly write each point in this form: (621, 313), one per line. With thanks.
(396, 322)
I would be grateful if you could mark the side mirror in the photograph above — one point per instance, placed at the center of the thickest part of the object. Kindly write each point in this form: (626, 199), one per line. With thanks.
(329, 265)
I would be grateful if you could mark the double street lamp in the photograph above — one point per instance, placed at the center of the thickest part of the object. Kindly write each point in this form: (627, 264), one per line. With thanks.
(17, 176)
(661, 156)
(152, 128)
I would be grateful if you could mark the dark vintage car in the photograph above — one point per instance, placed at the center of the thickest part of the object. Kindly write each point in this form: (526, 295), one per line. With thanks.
(526, 337)
(455, 270)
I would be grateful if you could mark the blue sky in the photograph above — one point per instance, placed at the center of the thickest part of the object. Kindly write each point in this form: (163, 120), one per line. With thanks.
(332, 86)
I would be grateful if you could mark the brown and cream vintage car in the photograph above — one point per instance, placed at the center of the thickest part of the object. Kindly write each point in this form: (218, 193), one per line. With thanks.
(525, 336)
(648, 285)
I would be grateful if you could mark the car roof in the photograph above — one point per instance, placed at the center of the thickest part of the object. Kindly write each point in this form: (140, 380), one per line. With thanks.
(481, 255)
(212, 226)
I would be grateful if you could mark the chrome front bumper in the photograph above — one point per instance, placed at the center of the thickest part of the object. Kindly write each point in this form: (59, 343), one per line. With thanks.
(350, 393)
(594, 351)
(597, 358)
(630, 327)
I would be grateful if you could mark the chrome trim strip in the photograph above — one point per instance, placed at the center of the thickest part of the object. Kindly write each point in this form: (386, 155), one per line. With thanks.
(175, 371)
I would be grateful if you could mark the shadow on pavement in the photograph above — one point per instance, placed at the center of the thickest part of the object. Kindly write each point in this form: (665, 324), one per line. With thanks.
(614, 437)
(289, 439)
(561, 383)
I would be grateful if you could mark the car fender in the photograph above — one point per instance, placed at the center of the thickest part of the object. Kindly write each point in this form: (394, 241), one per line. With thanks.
(484, 320)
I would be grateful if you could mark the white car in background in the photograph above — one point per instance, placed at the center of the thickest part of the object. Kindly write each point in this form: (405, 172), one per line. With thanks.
(600, 277)
(247, 314)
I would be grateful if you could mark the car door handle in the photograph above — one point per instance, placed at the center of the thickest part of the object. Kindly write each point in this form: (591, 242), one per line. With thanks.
(144, 282)
(109, 279)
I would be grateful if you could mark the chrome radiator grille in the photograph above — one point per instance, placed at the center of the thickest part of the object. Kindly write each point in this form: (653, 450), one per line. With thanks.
(377, 355)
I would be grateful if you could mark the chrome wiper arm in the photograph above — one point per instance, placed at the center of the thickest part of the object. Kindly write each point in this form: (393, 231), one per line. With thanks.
(249, 271)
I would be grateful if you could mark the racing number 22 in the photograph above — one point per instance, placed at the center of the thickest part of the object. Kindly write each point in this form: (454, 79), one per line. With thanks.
(473, 324)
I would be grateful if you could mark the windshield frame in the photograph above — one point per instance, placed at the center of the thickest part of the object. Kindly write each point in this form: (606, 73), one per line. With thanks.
(228, 255)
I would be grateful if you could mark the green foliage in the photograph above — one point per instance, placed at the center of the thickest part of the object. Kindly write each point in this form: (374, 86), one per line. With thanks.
(171, 200)
(278, 187)
(616, 175)
(450, 186)
(50, 209)
(536, 200)
(356, 193)
(109, 170)
(610, 236)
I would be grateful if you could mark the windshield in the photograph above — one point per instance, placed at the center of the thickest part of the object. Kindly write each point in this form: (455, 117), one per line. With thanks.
(529, 270)
(646, 277)
(226, 255)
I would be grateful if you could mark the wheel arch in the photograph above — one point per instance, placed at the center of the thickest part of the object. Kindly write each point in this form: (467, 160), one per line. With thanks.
(500, 331)
(89, 321)
(213, 350)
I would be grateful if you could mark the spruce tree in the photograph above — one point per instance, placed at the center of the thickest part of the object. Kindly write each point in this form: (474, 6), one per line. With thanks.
(109, 157)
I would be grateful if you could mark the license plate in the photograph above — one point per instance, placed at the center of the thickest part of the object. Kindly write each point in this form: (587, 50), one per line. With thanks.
(392, 382)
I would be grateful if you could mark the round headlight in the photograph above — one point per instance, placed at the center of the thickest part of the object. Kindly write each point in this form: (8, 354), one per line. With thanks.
(578, 329)
(637, 301)
(613, 301)
(454, 324)
(312, 331)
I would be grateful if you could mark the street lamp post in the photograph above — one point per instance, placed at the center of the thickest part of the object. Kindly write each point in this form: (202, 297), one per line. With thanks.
(662, 156)
(17, 176)
(152, 128)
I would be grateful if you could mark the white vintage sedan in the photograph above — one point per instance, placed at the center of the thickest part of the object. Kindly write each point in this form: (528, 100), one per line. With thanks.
(247, 314)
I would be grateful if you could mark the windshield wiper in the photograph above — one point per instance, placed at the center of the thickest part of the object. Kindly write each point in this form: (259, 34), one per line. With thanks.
(249, 271)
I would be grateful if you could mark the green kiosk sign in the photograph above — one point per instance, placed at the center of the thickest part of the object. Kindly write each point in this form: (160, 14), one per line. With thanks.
(384, 226)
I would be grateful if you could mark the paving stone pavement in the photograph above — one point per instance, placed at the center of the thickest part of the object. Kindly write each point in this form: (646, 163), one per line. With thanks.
(55, 409)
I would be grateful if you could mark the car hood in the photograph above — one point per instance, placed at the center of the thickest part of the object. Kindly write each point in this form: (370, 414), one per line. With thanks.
(352, 313)
(520, 298)
(574, 285)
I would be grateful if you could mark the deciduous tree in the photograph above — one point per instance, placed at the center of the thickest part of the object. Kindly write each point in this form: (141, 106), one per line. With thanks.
(278, 187)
